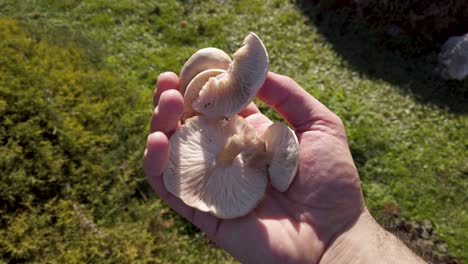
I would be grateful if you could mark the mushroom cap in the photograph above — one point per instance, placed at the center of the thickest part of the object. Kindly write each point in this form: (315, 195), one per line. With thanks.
(283, 147)
(229, 93)
(193, 89)
(203, 59)
(195, 175)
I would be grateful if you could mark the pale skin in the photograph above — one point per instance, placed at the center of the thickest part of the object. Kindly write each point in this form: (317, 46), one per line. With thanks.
(322, 217)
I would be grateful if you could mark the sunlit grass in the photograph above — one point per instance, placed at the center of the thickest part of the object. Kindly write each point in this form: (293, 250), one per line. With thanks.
(409, 151)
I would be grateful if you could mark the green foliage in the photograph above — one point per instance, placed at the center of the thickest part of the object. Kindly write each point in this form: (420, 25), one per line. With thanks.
(75, 98)
(59, 119)
(71, 183)
(58, 136)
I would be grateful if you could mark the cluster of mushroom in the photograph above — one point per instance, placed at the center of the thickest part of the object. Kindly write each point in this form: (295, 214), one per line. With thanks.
(218, 162)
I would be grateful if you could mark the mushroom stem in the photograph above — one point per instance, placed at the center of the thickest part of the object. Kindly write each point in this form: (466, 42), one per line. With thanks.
(253, 149)
(233, 147)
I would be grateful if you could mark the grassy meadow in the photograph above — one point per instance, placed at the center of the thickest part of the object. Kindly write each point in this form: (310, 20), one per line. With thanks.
(76, 83)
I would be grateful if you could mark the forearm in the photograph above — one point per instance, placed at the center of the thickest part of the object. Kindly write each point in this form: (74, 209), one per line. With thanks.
(367, 242)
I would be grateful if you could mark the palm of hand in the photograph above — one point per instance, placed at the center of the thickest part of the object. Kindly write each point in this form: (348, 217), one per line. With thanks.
(294, 226)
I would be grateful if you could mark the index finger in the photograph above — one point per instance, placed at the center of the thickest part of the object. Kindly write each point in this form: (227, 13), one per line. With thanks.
(292, 102)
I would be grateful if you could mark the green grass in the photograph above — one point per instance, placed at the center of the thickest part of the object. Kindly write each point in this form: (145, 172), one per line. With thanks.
(407, 131)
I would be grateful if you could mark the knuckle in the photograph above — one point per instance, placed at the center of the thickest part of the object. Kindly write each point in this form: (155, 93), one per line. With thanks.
(337, 120)
(288, 81)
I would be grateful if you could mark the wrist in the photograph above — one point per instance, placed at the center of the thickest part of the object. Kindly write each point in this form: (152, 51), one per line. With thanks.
(367, 242)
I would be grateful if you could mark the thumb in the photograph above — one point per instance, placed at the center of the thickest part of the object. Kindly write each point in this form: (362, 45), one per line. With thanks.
(296, 105)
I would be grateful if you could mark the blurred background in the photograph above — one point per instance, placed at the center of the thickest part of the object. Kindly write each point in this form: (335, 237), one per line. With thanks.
(76, 83)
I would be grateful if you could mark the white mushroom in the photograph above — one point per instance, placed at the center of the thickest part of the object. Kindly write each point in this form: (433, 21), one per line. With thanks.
(210, 169)
(204, 59)
(283, 147)
(193, 89)
(227, 94)
(217, 162)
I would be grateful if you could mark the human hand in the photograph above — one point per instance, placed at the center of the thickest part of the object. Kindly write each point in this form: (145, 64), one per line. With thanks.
(322, 205)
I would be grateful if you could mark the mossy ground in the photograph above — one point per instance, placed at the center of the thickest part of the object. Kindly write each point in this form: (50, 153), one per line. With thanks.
(75, 100)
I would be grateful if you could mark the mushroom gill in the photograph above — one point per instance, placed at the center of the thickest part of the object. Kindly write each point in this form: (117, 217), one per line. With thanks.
(229, 187)
(228, 93)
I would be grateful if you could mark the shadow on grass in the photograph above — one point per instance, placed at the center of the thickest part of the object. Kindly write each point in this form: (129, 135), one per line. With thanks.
(401, 60)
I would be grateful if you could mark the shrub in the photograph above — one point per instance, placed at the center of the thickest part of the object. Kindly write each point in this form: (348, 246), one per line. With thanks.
(71, 182)
(69, 138)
